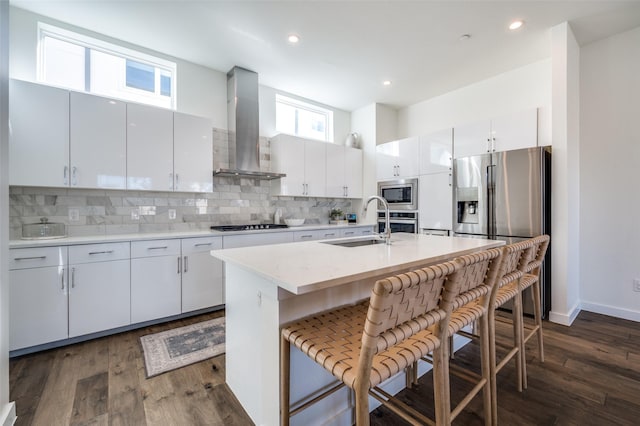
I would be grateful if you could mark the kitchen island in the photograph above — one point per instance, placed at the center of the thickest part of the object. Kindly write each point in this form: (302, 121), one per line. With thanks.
(269, 286)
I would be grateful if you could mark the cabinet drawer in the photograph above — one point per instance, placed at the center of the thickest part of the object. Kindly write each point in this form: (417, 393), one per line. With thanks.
(326, 234)
(199, 245)
(98, 252)
(155, 248)
(37, 257)
(308, 235)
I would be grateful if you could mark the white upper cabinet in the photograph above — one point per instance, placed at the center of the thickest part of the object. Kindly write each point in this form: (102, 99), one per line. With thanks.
(38, 135)
(192, 153)
(397, 159)
(505, 133)
(435, 201)
(97, 134)
(436, 152)
(303, 161)
(149, 148)
(344, 172)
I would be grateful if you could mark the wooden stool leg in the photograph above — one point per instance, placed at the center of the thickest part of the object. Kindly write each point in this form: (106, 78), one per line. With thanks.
(484, 350)
(285, 355)
(441, 396)
(537, 307)
(518, 338)
(492, 365)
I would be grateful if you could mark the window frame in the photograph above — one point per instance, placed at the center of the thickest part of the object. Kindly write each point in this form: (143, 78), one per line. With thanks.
(90, 43)
(306, 106)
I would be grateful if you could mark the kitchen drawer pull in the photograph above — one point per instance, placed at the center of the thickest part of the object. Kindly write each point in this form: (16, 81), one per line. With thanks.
(330, 235)
(186, 264)
(179, 264)
(31, 258)
(91, 253)
(306, 236)
(73, 277)
(62, 278)
(158, 248)
(202, 244)
(349, 233)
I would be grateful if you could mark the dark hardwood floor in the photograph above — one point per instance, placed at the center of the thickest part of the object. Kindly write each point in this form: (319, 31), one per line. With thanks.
(591, 376)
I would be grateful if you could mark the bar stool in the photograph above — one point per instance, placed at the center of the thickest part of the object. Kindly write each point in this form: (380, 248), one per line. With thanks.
(531, 279)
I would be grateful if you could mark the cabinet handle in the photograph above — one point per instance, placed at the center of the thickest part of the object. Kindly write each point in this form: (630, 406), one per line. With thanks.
(348, 233)
(330, 235)
(30, 258)
(179, 264)
(202, 244)
(186, 264)
(450, 179)
(306, 236)
(158, 248)
(74, 177)
(73, 277)
(177, 181)
(91, 253)
(62, 278)
(170, 180)
(64, 175)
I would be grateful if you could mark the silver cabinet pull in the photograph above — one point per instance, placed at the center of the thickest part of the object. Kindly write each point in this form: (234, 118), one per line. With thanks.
(179, 264)
(64, 175)
(91, 253)
(186, 264)
(73, 277)
(348, 233)
(170, 180)
(202, 244)
(306, 236)
(74, 175)
(31, 258)
(177, 181)
(158, 248)
(62, 278)
(330, 235)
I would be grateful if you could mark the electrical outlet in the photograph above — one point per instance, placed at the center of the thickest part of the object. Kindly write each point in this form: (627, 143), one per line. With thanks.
(636, 284)
(135, 215)
(74, 215)
(172, 214)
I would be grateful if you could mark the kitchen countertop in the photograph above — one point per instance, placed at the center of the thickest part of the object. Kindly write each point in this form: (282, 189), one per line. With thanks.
(97, 239)
(304, 267)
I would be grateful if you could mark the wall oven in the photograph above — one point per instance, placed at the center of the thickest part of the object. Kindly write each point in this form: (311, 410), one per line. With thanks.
(401, 194)
(399, 221)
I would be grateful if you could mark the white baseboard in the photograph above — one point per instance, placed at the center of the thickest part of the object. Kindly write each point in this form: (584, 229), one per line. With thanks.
(611, 311)
(565, 318)
(8, 414)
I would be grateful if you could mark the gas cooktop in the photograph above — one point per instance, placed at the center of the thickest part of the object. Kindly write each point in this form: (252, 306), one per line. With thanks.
(259, 227)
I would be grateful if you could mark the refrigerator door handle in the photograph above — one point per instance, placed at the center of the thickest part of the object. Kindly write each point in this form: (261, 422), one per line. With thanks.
(491, 188)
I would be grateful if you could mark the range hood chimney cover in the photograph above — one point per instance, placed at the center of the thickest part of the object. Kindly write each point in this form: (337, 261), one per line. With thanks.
(242, 113)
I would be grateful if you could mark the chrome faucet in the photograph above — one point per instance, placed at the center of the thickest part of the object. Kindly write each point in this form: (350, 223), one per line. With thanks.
(387, 227)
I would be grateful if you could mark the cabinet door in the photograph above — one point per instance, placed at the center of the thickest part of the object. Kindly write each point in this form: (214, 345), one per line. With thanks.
(99, 296)
(471, 139)
(387, 160)
(38, 301)
(435, 201)
(353, 172)
(287, 156)
(408, 157)
(202, 274)
(436, 152)
(315, 169)
(192, 153)
(515, 131)
(98, 143)
(149, 148)
(336, 164)
(155, 287)
(38, 135)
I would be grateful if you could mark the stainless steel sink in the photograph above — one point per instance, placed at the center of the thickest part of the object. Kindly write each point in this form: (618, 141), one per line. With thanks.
(355, 242)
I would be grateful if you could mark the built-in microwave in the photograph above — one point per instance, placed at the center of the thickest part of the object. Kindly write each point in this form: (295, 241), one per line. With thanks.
(401, 194)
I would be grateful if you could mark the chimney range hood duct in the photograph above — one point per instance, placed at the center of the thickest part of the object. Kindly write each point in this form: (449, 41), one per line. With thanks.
(242, 113)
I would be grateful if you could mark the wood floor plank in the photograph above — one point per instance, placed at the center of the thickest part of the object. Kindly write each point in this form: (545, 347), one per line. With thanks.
(91, 399)
(125, 398)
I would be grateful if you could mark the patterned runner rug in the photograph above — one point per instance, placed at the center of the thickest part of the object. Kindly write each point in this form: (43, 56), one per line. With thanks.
(171, 349)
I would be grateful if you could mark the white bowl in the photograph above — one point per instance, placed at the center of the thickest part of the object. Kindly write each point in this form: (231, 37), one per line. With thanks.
(294, 222)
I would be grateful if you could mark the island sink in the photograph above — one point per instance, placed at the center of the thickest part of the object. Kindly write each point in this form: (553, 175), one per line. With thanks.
(355, 242)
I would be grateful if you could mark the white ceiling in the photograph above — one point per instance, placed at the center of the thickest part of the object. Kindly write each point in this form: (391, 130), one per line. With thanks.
(348, 48)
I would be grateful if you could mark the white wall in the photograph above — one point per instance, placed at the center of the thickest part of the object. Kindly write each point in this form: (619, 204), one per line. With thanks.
(201, 91)
(7, 409)
(363, 121)
(609, 164)
(518, 89)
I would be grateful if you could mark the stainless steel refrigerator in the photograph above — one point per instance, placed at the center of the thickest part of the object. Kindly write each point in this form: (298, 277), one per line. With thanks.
(506, 196)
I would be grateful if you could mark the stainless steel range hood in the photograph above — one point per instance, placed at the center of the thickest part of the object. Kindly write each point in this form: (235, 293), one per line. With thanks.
(242, 113)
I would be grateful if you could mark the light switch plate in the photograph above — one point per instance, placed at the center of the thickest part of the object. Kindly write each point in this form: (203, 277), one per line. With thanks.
(74, 215)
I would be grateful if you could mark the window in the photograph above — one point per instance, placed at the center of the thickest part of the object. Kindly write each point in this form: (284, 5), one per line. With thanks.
(82, 63)
(302, 119)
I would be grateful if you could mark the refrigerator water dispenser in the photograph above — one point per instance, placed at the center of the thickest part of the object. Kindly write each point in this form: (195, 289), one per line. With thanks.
(467, 204)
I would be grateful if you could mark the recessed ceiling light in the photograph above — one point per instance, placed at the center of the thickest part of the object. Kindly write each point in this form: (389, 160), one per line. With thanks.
(464, 37)
(386, 83)
(516, 24)
(293, 39)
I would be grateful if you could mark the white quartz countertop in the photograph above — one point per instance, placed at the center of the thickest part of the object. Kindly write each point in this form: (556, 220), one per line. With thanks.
(96, 239)
(310, 266)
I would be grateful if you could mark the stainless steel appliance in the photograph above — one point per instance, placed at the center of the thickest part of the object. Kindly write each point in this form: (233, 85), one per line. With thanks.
(506, 196)
(399, 221)
(401, 194)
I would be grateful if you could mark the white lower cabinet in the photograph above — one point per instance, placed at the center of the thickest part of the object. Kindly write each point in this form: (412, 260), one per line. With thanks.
(356, 232)
(37, 296)
(156, 268)
(99, 287)
(202, 274)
